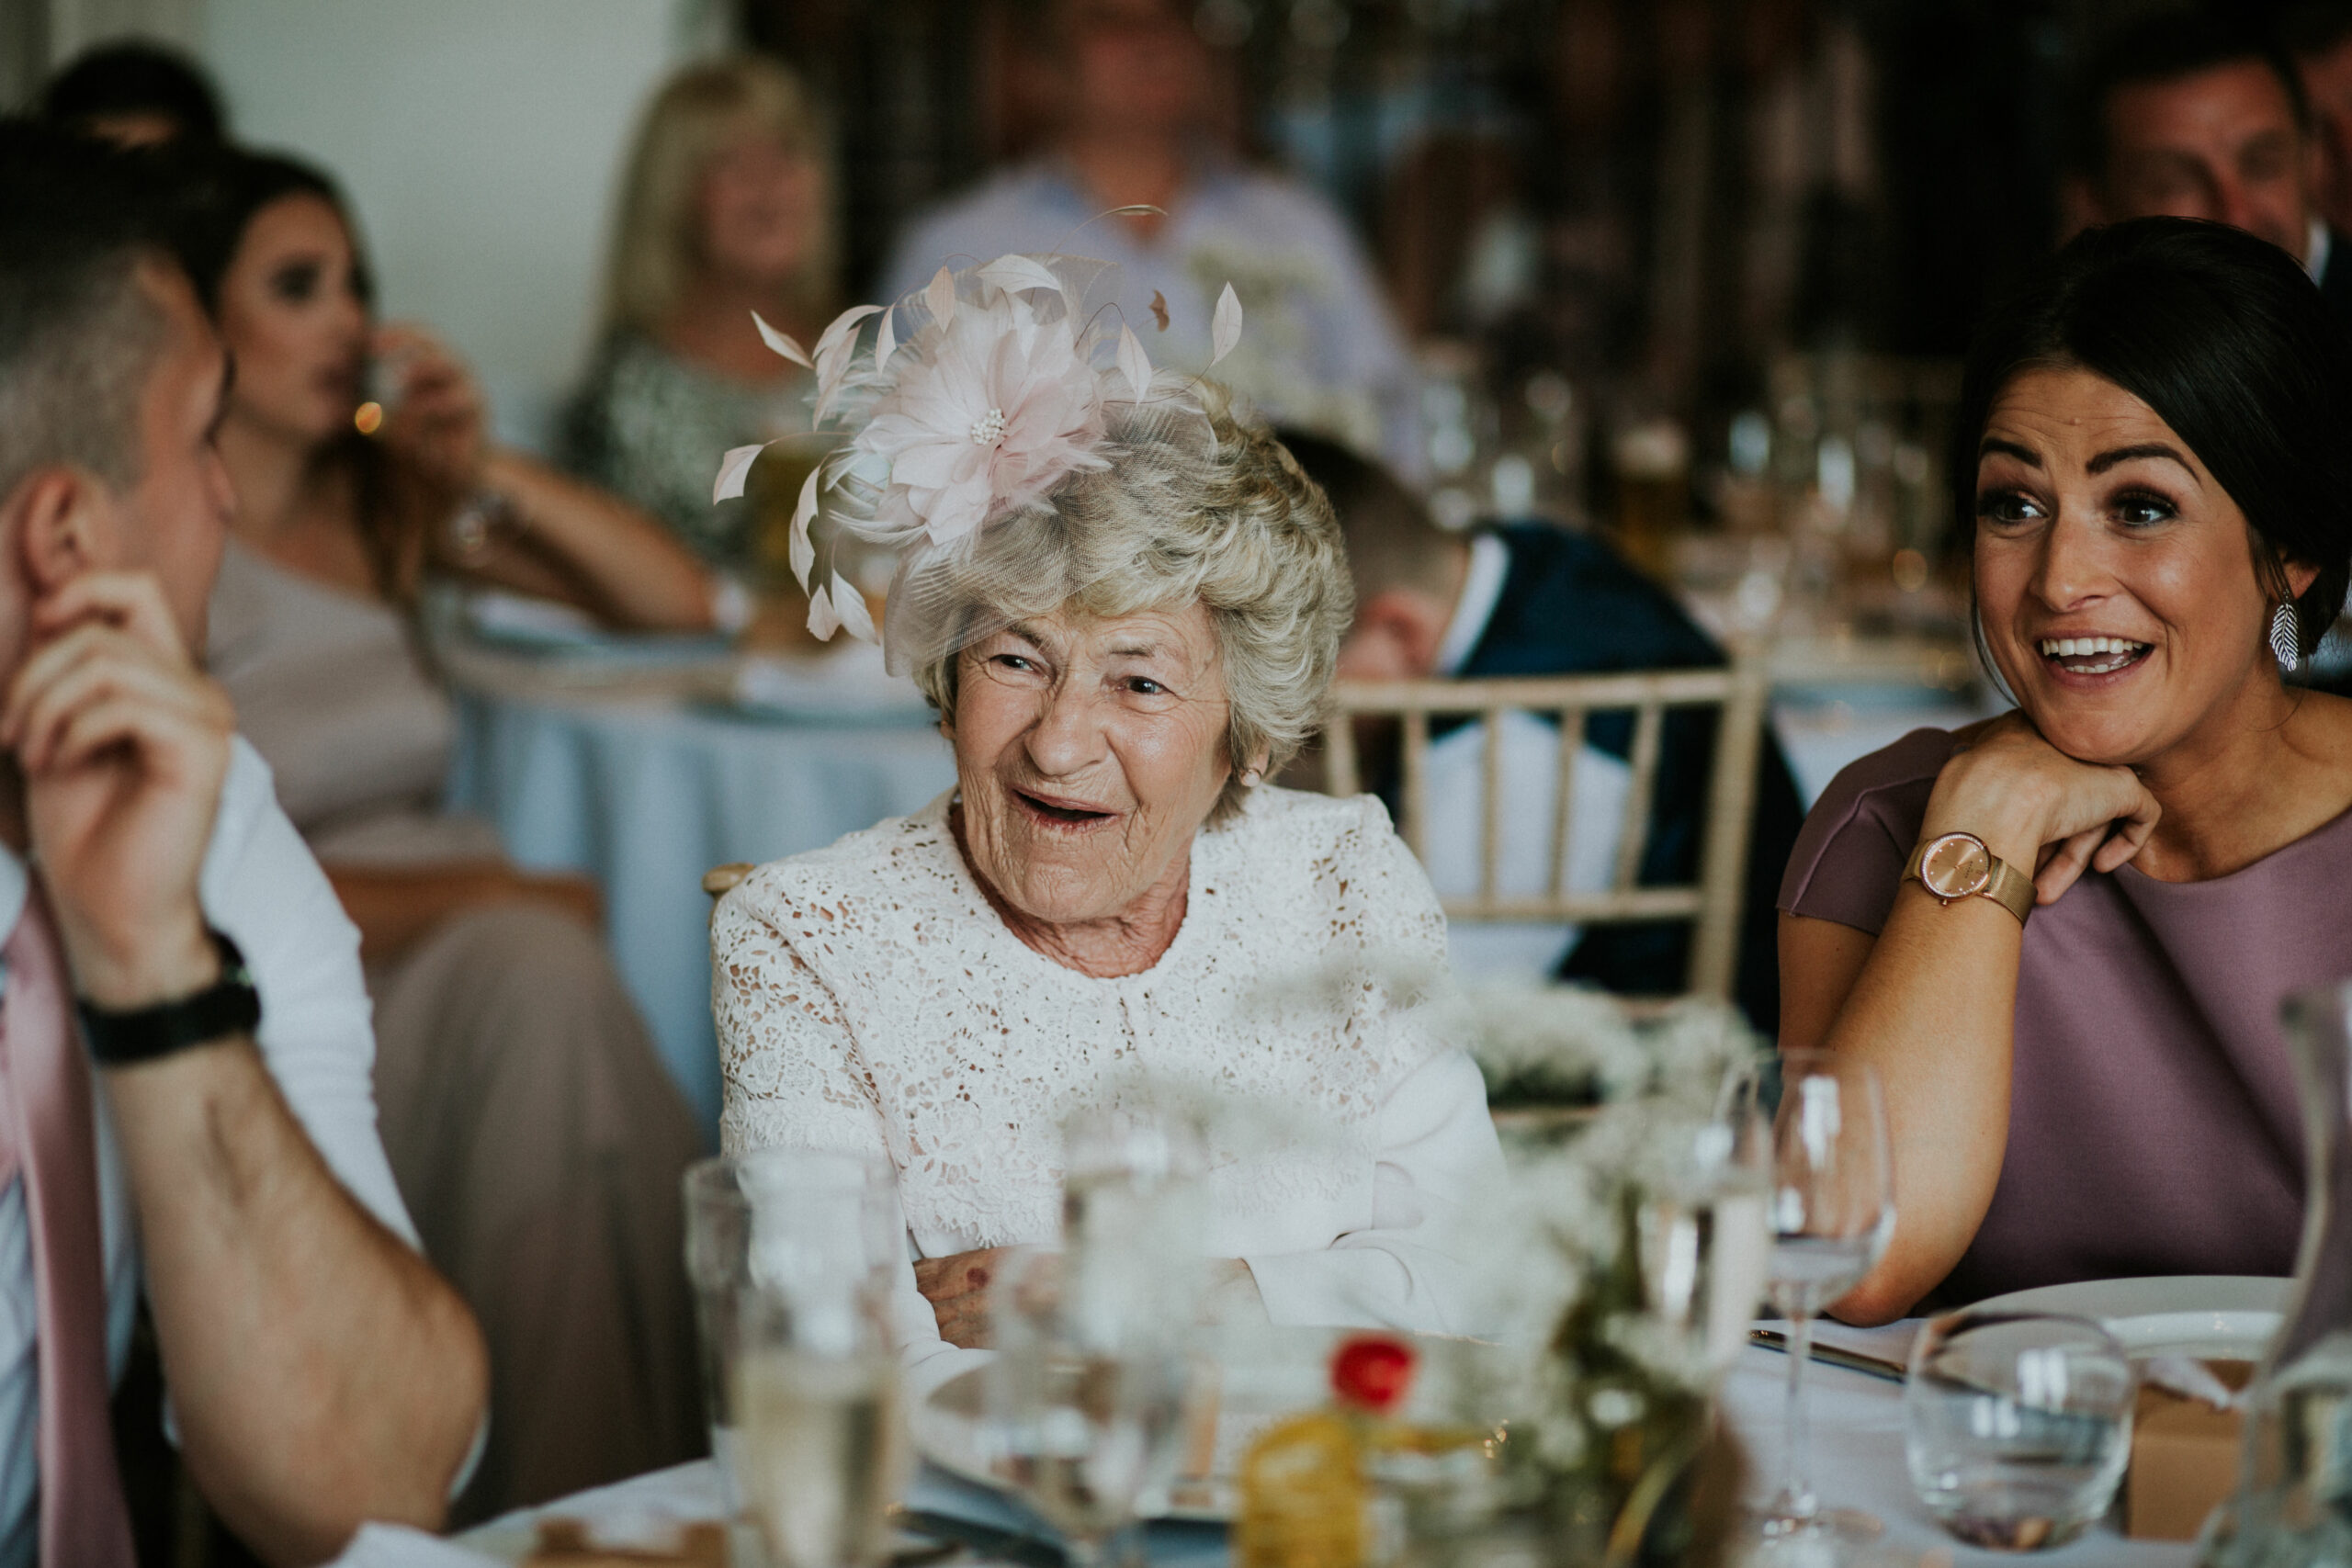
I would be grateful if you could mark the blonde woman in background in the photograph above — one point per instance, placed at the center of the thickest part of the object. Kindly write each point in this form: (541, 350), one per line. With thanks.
(726, 210)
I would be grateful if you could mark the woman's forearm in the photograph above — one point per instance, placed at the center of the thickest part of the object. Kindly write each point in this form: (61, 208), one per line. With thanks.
(613, 560)
(1933, 1009)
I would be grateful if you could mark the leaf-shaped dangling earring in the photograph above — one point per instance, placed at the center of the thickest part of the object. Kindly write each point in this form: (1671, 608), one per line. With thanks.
(2282, 637)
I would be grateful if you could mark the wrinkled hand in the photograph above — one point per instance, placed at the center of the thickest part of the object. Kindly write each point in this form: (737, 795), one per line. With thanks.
(2073, 816)
(957, 1288)
(436, 421)
(124, 744)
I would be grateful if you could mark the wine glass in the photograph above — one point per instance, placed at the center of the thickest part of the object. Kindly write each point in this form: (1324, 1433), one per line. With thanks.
(791, 1253)
(1832, 1213)
(1085, 1398)
(821, 1451)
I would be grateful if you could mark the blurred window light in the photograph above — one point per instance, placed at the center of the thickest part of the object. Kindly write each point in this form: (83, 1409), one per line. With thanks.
(1751, 442)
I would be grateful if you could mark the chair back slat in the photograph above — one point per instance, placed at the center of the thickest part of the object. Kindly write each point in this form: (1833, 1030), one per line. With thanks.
(1731, 798)
(1712, 905)
(1417, 783)
(1339, 775)
(1649, 726)
(1490, 823)
(1563, 797)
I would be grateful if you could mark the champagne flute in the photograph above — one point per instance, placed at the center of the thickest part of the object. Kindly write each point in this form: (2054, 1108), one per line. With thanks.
(1832, 1211)
(791, 1252)
(821, 1451)
(1085, 1401)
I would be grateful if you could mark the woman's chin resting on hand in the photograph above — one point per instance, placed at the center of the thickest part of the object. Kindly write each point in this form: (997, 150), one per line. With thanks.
(2140, 540)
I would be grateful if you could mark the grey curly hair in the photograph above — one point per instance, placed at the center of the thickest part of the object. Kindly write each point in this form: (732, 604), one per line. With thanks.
(1232, 522)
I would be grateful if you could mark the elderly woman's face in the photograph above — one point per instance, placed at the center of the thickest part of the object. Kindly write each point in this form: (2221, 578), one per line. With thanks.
(2117, 579)
(1089, 752)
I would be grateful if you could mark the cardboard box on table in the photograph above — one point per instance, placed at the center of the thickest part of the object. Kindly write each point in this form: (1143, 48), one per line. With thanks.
(2184, 1459)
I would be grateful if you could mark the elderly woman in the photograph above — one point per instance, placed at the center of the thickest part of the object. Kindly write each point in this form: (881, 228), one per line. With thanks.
(2063, 936)
(1132, 620)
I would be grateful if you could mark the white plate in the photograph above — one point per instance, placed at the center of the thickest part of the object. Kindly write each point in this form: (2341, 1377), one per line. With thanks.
(2217, 1316)
(1267, 1373)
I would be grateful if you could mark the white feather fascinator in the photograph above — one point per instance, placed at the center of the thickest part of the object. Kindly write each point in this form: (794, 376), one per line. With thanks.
(1015, 376)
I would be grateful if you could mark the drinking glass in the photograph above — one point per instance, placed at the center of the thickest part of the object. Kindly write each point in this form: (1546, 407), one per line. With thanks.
(1085, 1400)
(2016, 1426)
(1702, 1235)
(1134, 1218)
(1832, 1214)
(820, 1451)
(1094, 1341)
(770, 1218)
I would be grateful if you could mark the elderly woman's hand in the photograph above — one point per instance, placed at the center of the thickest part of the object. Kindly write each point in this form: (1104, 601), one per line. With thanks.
(2034, 805)
(957, 1288)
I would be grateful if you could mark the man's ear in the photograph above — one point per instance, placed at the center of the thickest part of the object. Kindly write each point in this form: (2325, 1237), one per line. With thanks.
(1412, 622)
(52, 522)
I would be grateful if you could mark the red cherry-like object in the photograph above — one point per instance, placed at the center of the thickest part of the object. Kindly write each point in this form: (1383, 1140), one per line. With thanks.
(1372, 1372)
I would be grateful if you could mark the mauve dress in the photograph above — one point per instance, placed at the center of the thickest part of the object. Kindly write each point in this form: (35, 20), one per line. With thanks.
(2153, 1127)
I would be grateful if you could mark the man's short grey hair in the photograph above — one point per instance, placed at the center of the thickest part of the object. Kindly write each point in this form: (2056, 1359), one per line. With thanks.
(1232, 522)
(79, 330)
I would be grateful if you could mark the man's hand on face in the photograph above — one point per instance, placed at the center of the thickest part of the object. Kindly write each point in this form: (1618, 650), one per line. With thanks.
(123, 744)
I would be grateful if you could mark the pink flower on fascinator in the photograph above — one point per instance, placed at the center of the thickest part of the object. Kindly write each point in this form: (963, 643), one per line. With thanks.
(984, 420)
(1001, 393)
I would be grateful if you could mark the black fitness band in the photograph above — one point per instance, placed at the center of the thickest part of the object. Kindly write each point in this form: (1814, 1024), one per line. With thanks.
(230, 1006)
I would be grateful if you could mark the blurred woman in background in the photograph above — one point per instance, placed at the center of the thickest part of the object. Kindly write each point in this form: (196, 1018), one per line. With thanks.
(534, 1132)
(726, 208)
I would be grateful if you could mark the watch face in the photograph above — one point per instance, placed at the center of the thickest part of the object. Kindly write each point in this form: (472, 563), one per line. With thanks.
(1956, 866)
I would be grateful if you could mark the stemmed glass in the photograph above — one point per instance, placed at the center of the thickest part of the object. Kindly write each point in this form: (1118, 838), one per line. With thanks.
(1086, 1409)
(1085, 1396)
(1832, 1212)
(791, 1252)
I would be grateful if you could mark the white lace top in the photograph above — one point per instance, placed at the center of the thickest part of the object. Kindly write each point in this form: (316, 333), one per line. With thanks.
(868, 998)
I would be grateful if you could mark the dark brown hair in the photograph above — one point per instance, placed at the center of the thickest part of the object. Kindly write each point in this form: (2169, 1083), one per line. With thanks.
(2229, 341)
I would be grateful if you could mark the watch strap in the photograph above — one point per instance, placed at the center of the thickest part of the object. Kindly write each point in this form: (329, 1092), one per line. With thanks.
(122, 1037)
(2008, 887)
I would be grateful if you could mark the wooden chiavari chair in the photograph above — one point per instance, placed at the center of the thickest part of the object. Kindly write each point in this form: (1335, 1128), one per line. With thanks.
(1711, 904)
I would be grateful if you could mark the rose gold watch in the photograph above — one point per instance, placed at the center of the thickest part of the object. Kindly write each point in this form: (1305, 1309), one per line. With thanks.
(1958, 865)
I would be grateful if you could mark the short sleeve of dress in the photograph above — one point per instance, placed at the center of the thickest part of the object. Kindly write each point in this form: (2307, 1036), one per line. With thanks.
(1849, 856)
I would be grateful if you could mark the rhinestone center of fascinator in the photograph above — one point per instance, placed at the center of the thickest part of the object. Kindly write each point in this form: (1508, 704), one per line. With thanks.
(988, 429)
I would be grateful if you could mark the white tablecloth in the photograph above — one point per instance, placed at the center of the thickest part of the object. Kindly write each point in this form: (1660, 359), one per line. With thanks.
(645, 792)
(1858, 1457)
(1857, 1464)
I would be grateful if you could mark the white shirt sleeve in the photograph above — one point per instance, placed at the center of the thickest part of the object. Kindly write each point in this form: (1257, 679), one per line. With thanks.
(263, 888)
(1435, 1154)
(1437, 1157)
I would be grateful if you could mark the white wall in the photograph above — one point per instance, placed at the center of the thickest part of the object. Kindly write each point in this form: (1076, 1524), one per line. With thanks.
(480, 140)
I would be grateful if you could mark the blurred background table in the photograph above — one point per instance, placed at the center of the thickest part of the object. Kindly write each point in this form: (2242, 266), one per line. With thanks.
(644, 767)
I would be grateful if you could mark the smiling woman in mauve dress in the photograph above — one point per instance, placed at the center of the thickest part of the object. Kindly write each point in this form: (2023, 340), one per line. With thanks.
(2064, 935)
